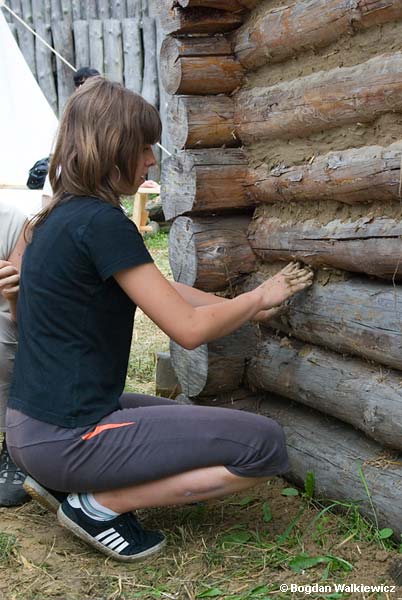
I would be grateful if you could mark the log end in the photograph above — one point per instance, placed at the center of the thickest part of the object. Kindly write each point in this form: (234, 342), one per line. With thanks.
(183, 251)
(178, 185)
(170, 65)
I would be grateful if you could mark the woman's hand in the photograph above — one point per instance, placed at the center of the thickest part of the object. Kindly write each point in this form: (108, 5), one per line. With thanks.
(290, 280)
(9, 284)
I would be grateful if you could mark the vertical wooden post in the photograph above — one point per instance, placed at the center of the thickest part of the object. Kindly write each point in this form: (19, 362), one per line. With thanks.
(96, 44)
(132, 51)
(81, 43)
(113, 50)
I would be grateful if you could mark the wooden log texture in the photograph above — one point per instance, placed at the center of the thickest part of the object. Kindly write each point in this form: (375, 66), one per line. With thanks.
(44, 65)
(210, 254)
(344, 387)
(321, 101)
(204, 181)
(113, 49)
(214, 368)
(334, 452)
(356, 175)
(150, 85)
(229, 5)
(177, 21)
(63, 43)
(96, 44)
(202, 122)
(367, 245)
(280, 33)
(359, 317)
(81, 43)
(199, 66)
(133, 54)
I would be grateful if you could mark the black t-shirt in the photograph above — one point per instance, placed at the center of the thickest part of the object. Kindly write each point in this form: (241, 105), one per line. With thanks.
(75, 323)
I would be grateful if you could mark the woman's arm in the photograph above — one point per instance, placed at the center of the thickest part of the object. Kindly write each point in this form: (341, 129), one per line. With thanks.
(191, 326)
(10, 274)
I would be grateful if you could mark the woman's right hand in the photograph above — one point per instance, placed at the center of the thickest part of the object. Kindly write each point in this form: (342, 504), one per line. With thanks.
(290, 280)
(9, 280)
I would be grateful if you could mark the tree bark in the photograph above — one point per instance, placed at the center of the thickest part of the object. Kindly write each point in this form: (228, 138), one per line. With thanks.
(229, 5)
(356, 175)
(334, 451)
(321, 101)
(346, 388)
(202, 122)
(190, 21)
(204, 181)
(214, 368)
(282, 32)
(368, 245)
(210, 254)
(200, 66)
(359, 317)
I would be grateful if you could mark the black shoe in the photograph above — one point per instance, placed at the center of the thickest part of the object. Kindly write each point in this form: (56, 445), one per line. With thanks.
(122, 538)
(49, 499)
(11, 479)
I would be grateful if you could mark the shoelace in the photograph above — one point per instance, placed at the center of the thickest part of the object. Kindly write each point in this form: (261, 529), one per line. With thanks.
(130, 525)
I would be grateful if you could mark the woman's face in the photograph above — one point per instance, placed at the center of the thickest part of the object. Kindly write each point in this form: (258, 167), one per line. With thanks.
(147, 160)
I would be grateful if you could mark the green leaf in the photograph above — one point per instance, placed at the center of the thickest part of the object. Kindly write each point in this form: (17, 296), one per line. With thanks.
(266, 511)
(245, 501)
(302, 562)
(309, 484)
(385, 533)
(290, 492)
(261, 589)
(211, 593)
(238, 537)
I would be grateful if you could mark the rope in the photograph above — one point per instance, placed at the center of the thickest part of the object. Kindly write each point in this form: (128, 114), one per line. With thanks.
(3, 5)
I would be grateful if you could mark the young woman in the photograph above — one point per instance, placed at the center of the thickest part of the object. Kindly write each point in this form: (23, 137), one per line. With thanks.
(70, 426)
(12, 245)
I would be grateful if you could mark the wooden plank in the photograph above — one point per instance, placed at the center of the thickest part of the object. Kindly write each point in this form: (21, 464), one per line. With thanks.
(202, 122)
(63, 43)
(132, 53)
(44, 65)
(26, 40)
(96, 45)
(200, 66)
(27, 14)
(81, 43)
(67, 11)
(57, 13)
(367, 245)
(321, 101)
(40, 12)
(113, 49)
(205, 181)
(356, 175)
(150, 84)
(103, 9)
(78, 11)
(118, 9)
(89, 11)
(210, 254)
(346, 388)
(359, 317)
(134, 8)
(334, 451)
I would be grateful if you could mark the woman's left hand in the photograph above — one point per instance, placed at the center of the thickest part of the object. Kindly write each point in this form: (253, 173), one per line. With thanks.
(9, 280)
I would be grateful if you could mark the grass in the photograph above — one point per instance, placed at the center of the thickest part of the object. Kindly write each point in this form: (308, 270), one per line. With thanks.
(242, 547)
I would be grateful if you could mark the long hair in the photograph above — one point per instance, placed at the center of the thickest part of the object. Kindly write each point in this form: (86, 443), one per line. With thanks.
(101, 136)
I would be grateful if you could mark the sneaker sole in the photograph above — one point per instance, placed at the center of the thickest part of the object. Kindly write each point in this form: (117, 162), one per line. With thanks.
(83, 535)
(42, 496)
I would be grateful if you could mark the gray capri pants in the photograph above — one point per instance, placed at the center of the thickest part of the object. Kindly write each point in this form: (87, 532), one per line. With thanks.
(8, 348)
(150, 438)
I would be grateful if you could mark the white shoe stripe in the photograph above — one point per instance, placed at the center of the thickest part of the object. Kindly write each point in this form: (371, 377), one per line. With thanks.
(121, 547)
(105, 533)
(110, 538)
(115, 543)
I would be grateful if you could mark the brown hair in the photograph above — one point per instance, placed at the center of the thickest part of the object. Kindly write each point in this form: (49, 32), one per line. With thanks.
(101, 136)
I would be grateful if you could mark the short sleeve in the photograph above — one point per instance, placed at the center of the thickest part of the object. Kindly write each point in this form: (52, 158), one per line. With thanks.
(114, 243)
(11, 224)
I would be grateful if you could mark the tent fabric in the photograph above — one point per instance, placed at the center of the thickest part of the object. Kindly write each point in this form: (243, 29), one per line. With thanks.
(27, 122)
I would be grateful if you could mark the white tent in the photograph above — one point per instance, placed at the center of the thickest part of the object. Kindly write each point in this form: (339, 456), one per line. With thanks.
(27, 124)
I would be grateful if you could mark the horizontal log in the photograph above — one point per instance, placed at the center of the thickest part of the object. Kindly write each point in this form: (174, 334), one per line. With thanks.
(201, 122)
(359, 317)
(210, 254)
(177, 21)
(284, 31)
(321, 101)
(204, 182)
(229, 5)
(334, 451)
(367, 245)
(344, 387)
(200, 66)
(355, 175)
(214, 368)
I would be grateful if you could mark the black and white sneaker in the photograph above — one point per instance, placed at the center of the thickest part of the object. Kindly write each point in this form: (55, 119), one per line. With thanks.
(12, 492)
(49, 499)
(122, 538)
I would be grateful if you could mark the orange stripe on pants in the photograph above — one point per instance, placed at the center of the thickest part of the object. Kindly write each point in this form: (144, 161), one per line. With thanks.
(99, 428)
